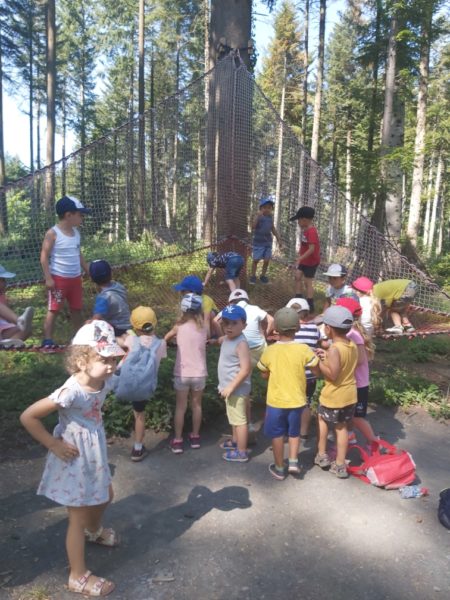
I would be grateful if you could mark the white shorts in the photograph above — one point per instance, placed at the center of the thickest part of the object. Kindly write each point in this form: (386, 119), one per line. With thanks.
(184, 384)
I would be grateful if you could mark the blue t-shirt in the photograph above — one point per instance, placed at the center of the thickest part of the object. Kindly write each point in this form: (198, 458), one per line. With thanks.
(262, 236)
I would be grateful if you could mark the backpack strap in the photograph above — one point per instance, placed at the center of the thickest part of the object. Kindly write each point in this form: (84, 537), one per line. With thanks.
(390, 449)
(359, 471)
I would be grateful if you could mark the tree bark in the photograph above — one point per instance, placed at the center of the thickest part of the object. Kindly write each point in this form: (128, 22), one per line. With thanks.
(3, 206)
(51, 97)
(141, 110)
(319, 83)
(437, 193)
(348, 187)
(419, 144)
(426, 222)
(280, 150)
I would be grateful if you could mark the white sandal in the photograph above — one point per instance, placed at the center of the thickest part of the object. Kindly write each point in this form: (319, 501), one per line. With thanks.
(104, 537)
(102, 587)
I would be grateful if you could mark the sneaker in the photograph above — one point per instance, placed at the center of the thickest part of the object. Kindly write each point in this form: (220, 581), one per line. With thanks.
(397, 329)
(322, 460)
(176, 446)
(228, 445)
(25, 321)
(235, 456)
(277, 474)
(138, 455)
(194, 441)
(48, 343)
(339, 470)
(409, 328)
(352, 438)
(264, 279)
(294, 468)
(252, 280)
(9, 343)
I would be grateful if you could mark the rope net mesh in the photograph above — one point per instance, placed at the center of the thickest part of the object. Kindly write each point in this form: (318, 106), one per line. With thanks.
(185, 178)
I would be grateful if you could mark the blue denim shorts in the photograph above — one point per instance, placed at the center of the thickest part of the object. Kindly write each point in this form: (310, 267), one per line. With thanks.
(282, 421)
(234, 266)
(262, 252)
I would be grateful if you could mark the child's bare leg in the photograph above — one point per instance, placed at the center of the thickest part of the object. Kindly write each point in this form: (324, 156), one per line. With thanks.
(254, 267)
(139, 426)
(196, 408)
(94, 514)
(396, 319)
(309, 287)
(305, 421)
(75, 541)
(299, 283)
(8, 314)
(240, 436)
(294, 445)
(404, 316)
(265, 267)
(180, 411)
(232, 284)
(365, 428)
(341, 442)
(323, 432)
(278, 451)
(49, 323)
(12, 333)
(77, 319)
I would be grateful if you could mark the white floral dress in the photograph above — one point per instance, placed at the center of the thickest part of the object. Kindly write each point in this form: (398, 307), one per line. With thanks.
(85, 480)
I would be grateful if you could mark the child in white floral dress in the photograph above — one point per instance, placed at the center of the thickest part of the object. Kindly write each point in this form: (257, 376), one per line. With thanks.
(76, 472)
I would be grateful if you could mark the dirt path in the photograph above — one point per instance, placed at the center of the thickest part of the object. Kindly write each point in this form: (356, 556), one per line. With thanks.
(215, 530)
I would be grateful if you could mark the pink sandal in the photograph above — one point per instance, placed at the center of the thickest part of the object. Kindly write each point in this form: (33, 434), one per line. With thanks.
(103, 536)
(101, 587)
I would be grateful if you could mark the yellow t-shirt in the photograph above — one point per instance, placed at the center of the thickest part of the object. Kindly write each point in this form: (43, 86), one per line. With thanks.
(390, 290)
(286, 362)
(208, 304)
(342, 391)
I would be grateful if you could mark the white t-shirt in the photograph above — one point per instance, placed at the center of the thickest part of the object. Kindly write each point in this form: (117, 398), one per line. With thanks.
(366, 317)
(253, 330)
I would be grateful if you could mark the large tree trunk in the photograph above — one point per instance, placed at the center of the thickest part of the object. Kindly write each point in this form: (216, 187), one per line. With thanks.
(51, 97)
(434, 210)
(389, 200)
(305, 75)
(419, 144)
(348, 187)
(280, 150)
(3, 207)
(426, 222)
(141, 110)
(319, 83)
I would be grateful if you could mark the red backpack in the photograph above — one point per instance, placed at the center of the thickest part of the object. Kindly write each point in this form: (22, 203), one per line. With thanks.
(386, 467)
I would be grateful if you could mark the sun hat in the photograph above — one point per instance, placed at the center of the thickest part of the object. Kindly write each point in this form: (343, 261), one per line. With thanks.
(353, 306)
(336, 270)
(300, 302)
(233, 312)
(99, 335)
(363, 284)
(100, 270)
(338, 316)
(191, 303)
(70, 204)
(4, 274)
(286, 319)
(143, 316)
(304, 212)
(266, 200)
(238, 294)
(190, 283)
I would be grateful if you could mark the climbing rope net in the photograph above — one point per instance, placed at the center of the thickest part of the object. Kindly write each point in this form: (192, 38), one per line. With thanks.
(186, 177)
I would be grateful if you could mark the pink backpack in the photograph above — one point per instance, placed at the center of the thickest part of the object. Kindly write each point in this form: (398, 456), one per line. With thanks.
(386, 467)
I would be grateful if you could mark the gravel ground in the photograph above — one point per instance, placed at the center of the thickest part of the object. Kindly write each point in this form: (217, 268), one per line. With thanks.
(196, 527)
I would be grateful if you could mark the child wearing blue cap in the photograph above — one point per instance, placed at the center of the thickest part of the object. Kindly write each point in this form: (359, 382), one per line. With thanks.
(192, 284)
(234, 371)
(62, 264)
(263, 232)
(232, 262)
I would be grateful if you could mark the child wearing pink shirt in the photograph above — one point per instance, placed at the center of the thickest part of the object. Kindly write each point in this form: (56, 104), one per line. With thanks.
(190, 370)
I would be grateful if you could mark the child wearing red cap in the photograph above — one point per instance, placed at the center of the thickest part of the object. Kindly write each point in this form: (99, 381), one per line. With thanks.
(366, 351)
(371, 308)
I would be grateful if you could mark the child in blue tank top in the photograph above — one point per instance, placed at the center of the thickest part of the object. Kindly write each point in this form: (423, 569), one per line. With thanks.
(263, 232)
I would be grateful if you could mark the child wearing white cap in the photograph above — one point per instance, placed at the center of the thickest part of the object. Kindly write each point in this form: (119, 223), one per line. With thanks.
(76, 473)
(337, 288)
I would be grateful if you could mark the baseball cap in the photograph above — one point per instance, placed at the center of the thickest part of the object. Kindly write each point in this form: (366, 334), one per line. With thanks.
(267, 200)
(70, 204)
(301, 302)
(353, 305)
(238, 295)
(304, 212)
(338, 316)
(286, 319)
(142, 316)
(363, 284)
(4, 274)
(234, 312)
(100, 270)
(191, 303)
(190, 283)
(99, 335)
(211, 256)
(336, 270)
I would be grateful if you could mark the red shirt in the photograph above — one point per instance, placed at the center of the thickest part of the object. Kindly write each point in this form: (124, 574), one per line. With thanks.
(310, 236)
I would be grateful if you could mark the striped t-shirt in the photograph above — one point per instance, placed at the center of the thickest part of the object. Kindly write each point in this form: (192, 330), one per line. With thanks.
(308, 334)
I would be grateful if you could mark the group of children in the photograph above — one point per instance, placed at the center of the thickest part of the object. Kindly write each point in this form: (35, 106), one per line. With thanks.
(337, 346)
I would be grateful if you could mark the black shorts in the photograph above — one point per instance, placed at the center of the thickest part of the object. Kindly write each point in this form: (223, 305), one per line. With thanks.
(363, 399)
(337, 415)
(139, 406)
(308, 271)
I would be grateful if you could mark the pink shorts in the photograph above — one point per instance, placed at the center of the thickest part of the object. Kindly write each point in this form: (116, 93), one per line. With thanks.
(66, 288)
(5, 326)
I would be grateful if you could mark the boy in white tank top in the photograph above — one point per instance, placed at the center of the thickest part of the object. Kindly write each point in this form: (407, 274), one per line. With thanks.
(62, 264)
